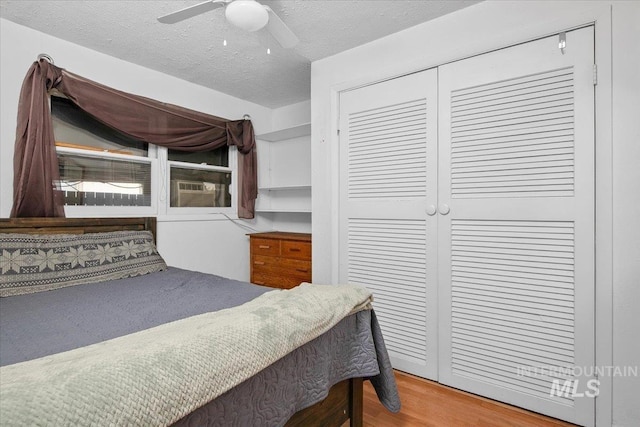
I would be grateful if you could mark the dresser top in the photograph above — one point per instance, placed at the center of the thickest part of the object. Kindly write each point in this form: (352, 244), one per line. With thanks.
(282, 235)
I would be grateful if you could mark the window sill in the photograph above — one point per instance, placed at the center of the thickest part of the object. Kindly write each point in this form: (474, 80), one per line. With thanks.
(213, 216)
(285, 188)
(284, 210)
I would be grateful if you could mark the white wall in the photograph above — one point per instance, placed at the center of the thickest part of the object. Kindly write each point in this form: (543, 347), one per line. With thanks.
(211, 244)
(480, 28)
(291, 115)
(626, 208)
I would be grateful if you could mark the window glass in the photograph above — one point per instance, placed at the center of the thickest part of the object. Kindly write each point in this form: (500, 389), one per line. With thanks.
(95, 181)
(217, 157)
(74, 128)
(192, 187)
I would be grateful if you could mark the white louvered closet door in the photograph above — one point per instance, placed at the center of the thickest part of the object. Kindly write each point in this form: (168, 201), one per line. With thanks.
(388, 160)
(516, 249)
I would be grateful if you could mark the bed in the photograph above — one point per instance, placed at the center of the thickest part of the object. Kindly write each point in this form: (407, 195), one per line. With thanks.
(166, 346)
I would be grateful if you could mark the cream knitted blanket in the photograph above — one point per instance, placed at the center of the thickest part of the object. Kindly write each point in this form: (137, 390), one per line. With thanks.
(157, 376)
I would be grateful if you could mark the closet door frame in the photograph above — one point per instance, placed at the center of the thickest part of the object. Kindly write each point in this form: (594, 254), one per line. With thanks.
(325, 132)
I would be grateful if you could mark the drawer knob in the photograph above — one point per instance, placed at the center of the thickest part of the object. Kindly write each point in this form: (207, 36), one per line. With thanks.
(264, 246)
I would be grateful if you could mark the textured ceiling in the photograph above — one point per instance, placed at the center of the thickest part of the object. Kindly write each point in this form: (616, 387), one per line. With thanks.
(193, 49)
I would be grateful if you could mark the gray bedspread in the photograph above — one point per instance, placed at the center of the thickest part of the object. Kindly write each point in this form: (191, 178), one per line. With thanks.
(50, 322)
(36, 325)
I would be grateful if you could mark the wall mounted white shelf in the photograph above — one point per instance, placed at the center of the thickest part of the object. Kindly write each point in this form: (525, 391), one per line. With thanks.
(295, 198)
(284, 180)
(287, 133)
(296, 211)
(285, 188)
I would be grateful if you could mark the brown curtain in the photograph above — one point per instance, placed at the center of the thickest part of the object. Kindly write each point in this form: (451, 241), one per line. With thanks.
(35, 161)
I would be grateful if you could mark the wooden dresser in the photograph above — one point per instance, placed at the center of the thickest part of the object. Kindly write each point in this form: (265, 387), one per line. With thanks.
(280, 259)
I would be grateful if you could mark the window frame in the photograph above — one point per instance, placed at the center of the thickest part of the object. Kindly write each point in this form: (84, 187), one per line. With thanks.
(185, 210)
(95, 211)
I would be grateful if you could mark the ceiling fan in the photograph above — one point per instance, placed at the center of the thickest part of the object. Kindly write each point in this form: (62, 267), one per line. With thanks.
(248, 15)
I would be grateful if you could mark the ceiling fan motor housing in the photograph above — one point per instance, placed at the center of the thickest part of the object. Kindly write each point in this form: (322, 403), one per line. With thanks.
(248, 15)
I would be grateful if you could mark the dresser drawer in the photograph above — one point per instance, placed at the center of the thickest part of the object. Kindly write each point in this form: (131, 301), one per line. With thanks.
(265, 247)
(281, 266)
(295, 249)
(296, 268)
(276, 281)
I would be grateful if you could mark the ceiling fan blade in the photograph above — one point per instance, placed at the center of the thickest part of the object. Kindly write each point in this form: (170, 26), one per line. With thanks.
(280, 31)
(191, 11)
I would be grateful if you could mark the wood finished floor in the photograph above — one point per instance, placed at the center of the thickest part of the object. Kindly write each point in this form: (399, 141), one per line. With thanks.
(429, 404)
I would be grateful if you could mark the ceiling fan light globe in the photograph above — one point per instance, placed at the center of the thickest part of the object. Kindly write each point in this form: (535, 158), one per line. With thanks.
(248, 15)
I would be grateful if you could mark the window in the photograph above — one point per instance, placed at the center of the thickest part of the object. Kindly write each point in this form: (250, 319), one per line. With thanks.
(101, 181)
(100, 166)
(201, 179)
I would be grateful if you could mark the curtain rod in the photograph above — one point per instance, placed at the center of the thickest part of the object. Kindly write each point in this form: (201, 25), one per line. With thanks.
(46, 57)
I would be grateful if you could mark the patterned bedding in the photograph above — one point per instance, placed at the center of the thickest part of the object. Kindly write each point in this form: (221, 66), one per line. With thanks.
(108, 310)
(32, 263)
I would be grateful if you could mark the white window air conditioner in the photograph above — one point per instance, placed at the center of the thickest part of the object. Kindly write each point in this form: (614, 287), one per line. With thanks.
(194, 194)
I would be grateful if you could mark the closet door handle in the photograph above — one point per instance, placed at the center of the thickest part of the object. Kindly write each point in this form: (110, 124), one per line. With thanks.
(444, 209)
(431, 210)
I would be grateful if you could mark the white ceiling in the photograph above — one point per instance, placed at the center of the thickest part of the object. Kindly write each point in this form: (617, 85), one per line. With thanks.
(193, 49)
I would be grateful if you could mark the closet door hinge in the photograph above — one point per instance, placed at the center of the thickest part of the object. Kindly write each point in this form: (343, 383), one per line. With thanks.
(595, 74)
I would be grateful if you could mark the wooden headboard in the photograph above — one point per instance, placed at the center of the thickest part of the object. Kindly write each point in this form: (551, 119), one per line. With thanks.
(75, 225)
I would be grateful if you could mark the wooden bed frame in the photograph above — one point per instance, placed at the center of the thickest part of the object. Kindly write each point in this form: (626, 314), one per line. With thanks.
(344, 401)
(75, 225)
